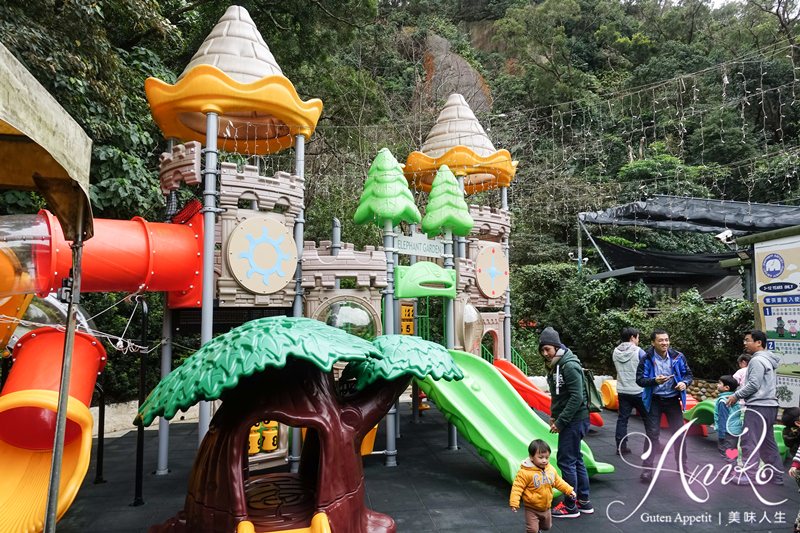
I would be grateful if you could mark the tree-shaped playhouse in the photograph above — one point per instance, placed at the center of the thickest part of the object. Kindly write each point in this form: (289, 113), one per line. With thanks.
(279, 368)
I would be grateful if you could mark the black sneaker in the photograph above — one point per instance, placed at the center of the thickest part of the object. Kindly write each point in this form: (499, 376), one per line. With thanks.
(623, 451)
(646, 476)
(562, 511)
(585, 507)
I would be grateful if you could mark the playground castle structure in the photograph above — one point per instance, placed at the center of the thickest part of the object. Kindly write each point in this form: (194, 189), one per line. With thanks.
(246, 250)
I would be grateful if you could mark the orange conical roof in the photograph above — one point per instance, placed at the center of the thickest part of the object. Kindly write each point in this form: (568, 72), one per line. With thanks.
(234, 75)
(459, 141)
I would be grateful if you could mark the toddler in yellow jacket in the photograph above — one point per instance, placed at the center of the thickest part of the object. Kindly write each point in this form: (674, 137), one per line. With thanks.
(534, 485)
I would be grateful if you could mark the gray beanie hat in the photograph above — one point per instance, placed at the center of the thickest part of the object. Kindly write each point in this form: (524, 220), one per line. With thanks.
(549, 336)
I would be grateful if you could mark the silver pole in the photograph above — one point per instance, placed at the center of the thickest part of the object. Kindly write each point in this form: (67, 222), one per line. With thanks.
(66, 368)
(580, 246)
(162, 467)
(388, 325)
(397, 330)
(297, 304)
(412, 260)
(209, 223)
(507, 305)
(299, 227)
(591, 240)
(450, 327)
(461, 249)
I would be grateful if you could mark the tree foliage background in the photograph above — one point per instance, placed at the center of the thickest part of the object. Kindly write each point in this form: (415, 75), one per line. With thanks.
(601, 101)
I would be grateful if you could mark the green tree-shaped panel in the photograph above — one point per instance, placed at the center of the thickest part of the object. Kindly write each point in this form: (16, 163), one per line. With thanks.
(403, 355)
(446, 209)
(386, 194)
(243, 351)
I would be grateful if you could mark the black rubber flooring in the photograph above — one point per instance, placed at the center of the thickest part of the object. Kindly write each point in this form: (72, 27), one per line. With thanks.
(434, 489)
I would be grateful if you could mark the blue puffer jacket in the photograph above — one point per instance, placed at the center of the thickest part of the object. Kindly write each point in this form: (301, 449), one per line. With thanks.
(646, 374)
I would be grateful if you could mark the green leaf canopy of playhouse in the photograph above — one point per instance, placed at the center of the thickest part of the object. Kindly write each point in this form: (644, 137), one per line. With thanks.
(386, 194)
(403, 355)
(269, 342)
(246, 350)
(447, 209)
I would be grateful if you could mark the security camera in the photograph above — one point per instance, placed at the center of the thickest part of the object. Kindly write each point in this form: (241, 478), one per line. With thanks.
(726, 237)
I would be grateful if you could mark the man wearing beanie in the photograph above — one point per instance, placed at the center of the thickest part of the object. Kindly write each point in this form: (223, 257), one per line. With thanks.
(569, 413)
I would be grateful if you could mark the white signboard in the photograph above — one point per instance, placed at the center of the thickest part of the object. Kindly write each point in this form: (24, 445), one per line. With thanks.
(418, 244)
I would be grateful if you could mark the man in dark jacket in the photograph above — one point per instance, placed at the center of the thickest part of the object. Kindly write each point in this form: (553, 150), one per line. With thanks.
(664, 374)
(569, 413)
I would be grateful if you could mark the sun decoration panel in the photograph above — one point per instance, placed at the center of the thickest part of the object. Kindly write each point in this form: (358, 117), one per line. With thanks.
(491, 268)
(261, 255)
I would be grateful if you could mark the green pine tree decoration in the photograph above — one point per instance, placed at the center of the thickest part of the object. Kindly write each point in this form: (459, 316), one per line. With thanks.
(446, 209)
(386, 194)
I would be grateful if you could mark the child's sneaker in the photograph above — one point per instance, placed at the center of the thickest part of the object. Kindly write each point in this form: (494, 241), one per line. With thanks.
(585, 507)
(562, 511)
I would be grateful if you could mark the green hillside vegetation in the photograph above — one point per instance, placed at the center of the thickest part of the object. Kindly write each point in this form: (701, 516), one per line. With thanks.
(601, 102)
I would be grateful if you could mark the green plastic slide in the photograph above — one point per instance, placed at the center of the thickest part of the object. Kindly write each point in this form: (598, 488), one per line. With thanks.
(702, 413)
(494, 418)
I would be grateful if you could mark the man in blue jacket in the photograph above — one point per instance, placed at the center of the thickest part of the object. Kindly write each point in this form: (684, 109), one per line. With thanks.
(664, 374)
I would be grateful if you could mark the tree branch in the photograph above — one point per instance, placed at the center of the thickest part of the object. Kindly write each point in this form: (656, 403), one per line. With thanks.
(331, 15)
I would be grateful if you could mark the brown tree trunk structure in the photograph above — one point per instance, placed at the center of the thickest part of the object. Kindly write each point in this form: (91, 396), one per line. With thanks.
(221, 492)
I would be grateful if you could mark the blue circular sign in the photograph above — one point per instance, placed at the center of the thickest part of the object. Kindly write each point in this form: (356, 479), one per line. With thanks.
(772, 266)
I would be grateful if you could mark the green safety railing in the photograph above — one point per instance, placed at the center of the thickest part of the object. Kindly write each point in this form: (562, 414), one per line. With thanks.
(518, 361)
(487, 354)
(516, 358)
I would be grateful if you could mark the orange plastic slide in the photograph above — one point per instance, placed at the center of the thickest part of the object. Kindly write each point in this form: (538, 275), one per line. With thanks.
(122, 256)
(534, 397)
(28, 406)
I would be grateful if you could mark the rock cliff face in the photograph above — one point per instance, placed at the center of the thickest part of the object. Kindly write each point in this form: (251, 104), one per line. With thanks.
(446, 73)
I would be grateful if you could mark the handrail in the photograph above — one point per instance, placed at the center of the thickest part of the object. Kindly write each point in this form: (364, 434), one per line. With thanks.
(487, 354)
(518, 361)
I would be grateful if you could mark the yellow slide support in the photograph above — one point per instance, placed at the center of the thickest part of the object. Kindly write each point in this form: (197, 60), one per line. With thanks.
(25, 473)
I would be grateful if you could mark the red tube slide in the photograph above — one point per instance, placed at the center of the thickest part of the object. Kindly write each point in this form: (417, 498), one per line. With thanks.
(534, 397)
(37, 366)
(128, 255)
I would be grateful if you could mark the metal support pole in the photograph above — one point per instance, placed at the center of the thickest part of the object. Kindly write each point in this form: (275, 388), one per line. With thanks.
(388, 329)
(450, 327)
(101, 430)
(580, 246)
(507, 352)
(137, 497)
(162, 467)
(297, 304)
(397, 330)
(66, 368)
(209, 224)
(412, 260)
(591, 239)
(461, 248)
